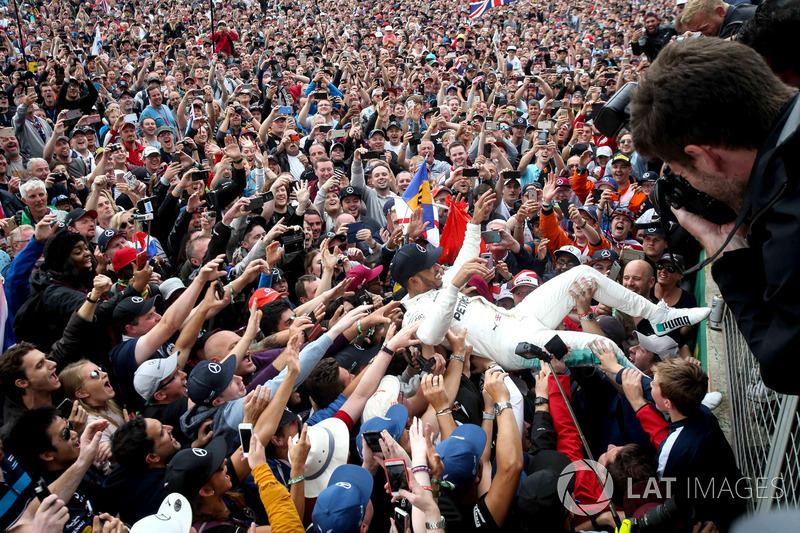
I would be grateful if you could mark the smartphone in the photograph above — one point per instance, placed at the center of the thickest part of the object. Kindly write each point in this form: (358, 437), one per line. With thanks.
(245, 432)
(245, 86)
(610, 75)
(490, 237)
(426, 365)
(131, 118)
(7, 132)
(542, 137)
(396, 474)
(352, 229)
(285, 110)
(556, 105)
(464, 106)
(372, 154)
(489, 260)
(613, 272)
(470, 172)
(131, 181)
(563, 205)
(141, 260)
(145, 205)
(487, 151)
(198, 92)
(632, 255)
(544, 49)
(325, 128)
(373, 439)
(320, 95)
(41, 490)
(201, 175)
(556, 347)
(492, 126)
(337, 134)
(73, 114)
(402, 522)
(316, 330)
(511, 175)
(268, 196)
(31, 90)
(256, 204)
(596, 194)
(545, 125)
(579, 126)
(65, 408)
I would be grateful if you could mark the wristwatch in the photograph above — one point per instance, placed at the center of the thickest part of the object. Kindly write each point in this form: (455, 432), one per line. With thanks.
(457, 357)
(430, 526)
(499, 407)
(541, 400)
(385, 349)
(588, 316)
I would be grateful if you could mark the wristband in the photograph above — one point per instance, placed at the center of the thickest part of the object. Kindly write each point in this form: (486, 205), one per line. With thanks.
(421, 468)
(547, 205)
(233, 292)
(489, 416)
(458, 358)
(238, 161)
(428, 488)
(442, 483)
(89, 299)
(445, 411)
(298, 479)
(360, 331)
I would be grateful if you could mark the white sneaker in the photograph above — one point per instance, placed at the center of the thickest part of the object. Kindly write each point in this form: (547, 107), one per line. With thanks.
(712, 400)
(667, 318)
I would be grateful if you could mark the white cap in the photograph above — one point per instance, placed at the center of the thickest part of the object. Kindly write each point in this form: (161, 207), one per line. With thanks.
(571, 250)
(504, 293)
(663, 347)
(680, 2)
(604, 151)
(174, 516)
(385, 397)
(169, 286)
(151, 373)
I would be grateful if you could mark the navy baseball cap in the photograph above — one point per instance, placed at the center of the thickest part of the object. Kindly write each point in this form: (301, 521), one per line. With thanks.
(130, 308)
(591, 210)
(411, 260)
(519, 121)
(342, 505)
(191, 468)
(209, 379)
(106, 236)
(461, 454)
(678, 260)
(350, 191)
(608, 180)
(394, 421)
(603, 255)
(649, 176)
(658, 231)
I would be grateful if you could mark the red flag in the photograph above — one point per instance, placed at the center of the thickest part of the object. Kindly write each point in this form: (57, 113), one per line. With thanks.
(452, 238)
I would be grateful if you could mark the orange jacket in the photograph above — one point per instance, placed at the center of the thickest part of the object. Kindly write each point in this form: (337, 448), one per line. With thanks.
(548, 223)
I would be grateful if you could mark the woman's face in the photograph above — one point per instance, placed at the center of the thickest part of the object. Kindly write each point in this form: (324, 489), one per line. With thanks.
(202, 136)
(81, 256)
(95, 384)
(332, 201)
(316, 266)
(126, 225)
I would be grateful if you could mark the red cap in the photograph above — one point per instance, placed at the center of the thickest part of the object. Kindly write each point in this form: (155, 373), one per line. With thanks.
(562, 182)
(123, 257)
(265, 295)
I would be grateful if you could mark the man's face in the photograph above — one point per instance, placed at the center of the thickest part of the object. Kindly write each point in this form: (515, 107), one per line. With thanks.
(426, 150)
(381, 179)
(658, 398)
(403, 180)
(253, 237)
(521, 292)
(707, 24)
(78, 141)
(40, 170)
(621, 227)
(621, 172)
(152, 162)
(430, 278)
(314, 223)
(603, 266)
(564, 262)
(377, 142)
(642, 358)
(654, 246)
(511, 192)
(62, 148)
(36, 200)
(638, 278)
(11, 146)
(155, 97)
(221, 343)
(166, 139)
(352, 206)
(86, 227)
(66, 449)
(651, 24)
(316, 151)
(458, 155)
(324, 171)
(40, 372)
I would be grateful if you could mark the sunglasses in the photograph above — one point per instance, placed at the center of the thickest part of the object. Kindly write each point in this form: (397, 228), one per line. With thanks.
(342, 247)
(170, 380)
(65, 433)
(669, 268)
(123, 225)
(94, 374)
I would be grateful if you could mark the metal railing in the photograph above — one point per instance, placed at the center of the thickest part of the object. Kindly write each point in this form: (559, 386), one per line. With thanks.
(765, 428)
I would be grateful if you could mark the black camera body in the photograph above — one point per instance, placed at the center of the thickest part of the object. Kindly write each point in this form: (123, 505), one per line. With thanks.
(672, 190)
(292, 242)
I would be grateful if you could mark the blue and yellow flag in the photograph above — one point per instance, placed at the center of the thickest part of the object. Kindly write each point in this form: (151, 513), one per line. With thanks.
(418, 194)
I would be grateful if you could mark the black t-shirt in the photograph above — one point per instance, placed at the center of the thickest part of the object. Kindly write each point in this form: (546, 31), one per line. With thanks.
(474, 517)
(170, 414)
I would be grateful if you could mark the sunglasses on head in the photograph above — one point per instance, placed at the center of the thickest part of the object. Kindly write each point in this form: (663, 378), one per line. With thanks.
(669, 268)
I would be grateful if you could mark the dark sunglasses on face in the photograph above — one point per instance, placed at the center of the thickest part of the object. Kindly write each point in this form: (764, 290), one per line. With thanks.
(65, 434)
(669, 268)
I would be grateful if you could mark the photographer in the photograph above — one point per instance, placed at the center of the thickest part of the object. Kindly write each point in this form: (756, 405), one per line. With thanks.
(743, 160)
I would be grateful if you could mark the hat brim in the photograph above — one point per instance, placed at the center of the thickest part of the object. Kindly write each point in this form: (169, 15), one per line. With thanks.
(337, 447)
(432, 257)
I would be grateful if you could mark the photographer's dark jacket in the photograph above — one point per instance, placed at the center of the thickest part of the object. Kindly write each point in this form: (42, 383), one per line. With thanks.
(653, 43)
(761, 284)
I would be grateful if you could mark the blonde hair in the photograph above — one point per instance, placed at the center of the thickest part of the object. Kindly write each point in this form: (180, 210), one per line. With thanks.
(117, 218)
(71, 379)
(695, 7)
(114, 205)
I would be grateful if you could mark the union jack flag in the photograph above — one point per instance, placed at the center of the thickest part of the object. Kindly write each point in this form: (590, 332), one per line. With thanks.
(479, 7)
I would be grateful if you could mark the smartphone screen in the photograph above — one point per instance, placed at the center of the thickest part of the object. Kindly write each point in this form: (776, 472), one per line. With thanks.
(556, 347)
(64, 408)
(490, 237)
(373, 439)
(396, 474)
(245, 432)
(470, 172)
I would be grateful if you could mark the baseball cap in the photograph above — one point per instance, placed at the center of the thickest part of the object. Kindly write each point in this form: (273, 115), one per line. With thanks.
(394, 124)
(504, 293)
(572, 251)
(461, 453)
(624, 212)
(680, 2)
(678, 260)
(604, 151)
(60, 198)
(151, 373)
(133, 307)
(606, 254)
(150, 150)
(77, 214)
(163, 129)
(658, 231)
(173, 516)
(265, 295)
(412, 259)
(393, 421)
(621, 157)
(191, 468)
(471, 66)
(563, 182)
(377, 130)
(350, 191)
(62, 138)
(343, 503)
(519, 121)
(362, 275)
(169, 286)
(123, 257)
(209, 379)
(591, 210)
(510, 48)
(608, 181)
(663, 347)
(330, 446)
(526, 278)
(649, 176)
(539, 495)
(106, 237)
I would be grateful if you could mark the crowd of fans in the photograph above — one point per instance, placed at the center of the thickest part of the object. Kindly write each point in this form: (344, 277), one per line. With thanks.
(206, 222)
